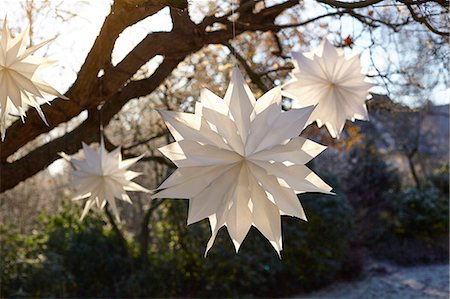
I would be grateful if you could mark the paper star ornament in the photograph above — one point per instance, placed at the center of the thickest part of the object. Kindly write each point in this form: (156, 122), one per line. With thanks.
(102, 176)
(20, 86)
(326, 78)
(241, 162)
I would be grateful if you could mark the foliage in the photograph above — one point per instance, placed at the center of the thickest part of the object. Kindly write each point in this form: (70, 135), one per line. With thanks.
(260, 44)
(440, 179)
(370, 185)
(69, 258)
(369, 177)
(422, 213)
(320, 246)
(18, 256)
(416, 230)
(406, 226)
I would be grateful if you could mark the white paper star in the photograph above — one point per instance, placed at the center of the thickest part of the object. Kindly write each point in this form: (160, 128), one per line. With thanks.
(20, 86)
(326, 78)
(102, 177)
(241, 162)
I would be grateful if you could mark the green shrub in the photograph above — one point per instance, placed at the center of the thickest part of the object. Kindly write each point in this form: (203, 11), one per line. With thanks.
(440, 179)
(422, 213)
(18, 258)
(69, 258)
(417, 230)
(371, 186)
(313, 254)
(315, 250)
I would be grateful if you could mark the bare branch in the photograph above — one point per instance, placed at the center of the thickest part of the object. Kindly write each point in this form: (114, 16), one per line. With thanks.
(90, 91)
(179, 4)
(350, 5)
(86, 91)
(423, 20)
(87, 132)
(141, 142)
(253, 76)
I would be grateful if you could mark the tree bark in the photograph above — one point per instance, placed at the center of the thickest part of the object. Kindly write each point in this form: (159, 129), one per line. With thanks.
(114, 87)
(144, 234)
(119, 235)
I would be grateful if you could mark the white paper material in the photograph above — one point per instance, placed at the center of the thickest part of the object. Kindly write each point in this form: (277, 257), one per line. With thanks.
(241, 162)
(101, 177)
(20, 86)
(332, 82)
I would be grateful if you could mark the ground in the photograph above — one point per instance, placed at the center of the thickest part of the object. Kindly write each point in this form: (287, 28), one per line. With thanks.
(387, 281)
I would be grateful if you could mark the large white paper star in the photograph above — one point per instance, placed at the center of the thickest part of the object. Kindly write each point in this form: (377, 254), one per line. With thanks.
(102, 177)
(326, 78)
(20, 86)
(241, 162)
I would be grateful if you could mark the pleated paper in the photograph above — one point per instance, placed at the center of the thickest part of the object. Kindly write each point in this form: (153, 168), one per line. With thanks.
(102, 177)
(20, 86)
(241, 162)
(332, 82)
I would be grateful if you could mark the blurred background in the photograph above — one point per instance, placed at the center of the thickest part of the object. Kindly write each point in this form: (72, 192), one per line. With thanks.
(390, 213)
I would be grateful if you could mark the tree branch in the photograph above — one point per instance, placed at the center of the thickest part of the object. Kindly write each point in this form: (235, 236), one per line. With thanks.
(253, 76)
(141, 142)
(350, 5)
(119, 235)
(87, 132)
(423, 20)
(179, 4)
(144, 233)
(85, 92)
(114, 88)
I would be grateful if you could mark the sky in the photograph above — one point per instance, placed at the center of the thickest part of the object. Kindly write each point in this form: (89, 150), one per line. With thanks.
(75, 37)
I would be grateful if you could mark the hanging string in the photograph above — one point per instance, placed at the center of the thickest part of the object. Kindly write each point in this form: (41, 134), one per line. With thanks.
(233, 31)
(233, 20)
(100, 121)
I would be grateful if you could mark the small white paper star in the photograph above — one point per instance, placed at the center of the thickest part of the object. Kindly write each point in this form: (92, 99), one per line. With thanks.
(334, 83)
(20, 86)
(102, 177)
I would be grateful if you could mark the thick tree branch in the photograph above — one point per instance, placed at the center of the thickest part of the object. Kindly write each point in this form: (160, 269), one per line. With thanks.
(179, 4)
(85, 92)
(350, 5)
(89, 91)
(115, 89)
(87, 132)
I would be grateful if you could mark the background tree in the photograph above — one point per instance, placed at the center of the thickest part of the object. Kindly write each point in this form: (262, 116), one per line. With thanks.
(102, 89)
(404, 48)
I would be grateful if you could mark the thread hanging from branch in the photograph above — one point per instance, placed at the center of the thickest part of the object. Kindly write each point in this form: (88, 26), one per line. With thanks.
(233, 20)
(233, 32)
(100, 120)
